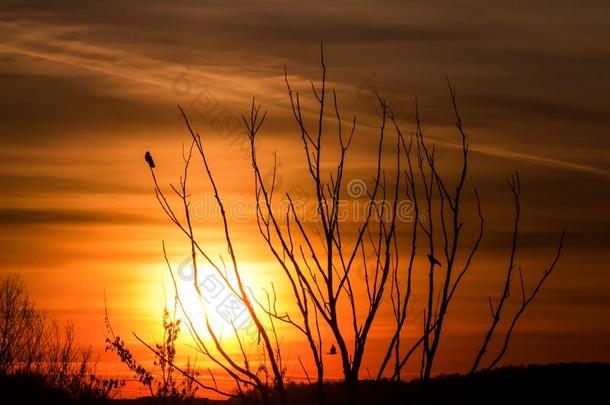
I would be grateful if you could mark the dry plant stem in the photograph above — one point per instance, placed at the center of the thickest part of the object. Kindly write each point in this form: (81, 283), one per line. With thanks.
(497, 311)
(238, 289)
(320, 276)
(400, 302)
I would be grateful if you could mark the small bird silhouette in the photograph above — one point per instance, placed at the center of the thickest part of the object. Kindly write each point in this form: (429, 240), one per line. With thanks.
(333, 350)
(434, 260)
(149, 160)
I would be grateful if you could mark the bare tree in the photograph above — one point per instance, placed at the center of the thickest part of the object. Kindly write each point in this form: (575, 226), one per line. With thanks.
(239, 369)
(321, 256)
(526, 299)
(441, 231)
(316, 258)
(18, 319)
(32, 344)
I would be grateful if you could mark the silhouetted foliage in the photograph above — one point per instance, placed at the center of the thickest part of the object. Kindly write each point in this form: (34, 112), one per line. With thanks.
(167, 384)
(36, 349)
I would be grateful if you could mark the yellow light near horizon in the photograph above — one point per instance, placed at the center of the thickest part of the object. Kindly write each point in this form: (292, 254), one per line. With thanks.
(209, 309)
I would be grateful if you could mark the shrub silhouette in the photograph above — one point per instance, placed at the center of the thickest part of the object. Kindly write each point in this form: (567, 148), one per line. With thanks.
(172, 382)
(36, 350)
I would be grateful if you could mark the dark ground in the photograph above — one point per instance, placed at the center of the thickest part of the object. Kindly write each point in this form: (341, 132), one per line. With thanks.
(573, 383)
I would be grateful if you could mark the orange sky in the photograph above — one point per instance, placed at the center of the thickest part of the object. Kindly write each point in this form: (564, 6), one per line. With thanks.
(85, 90)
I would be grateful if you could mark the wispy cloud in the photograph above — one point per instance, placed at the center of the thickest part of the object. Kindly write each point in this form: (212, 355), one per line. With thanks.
(20, 217)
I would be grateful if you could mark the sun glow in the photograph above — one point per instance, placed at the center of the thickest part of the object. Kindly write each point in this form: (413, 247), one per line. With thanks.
(209, 307)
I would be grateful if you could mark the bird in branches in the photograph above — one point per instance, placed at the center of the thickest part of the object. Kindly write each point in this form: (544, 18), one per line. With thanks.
(333, 350)
(149, 160)
(434, 261)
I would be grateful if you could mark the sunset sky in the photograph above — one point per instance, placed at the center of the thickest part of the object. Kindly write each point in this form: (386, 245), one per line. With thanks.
(87, 87)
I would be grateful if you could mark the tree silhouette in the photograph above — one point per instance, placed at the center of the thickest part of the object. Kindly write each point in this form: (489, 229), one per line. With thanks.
(323, 258)
(37, 349)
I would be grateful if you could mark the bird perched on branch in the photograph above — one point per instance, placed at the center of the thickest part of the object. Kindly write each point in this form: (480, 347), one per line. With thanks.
(333, 350)
(434, 261)
(149, 160)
